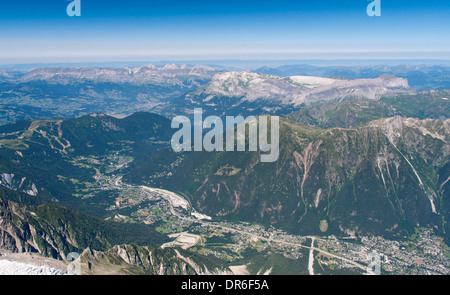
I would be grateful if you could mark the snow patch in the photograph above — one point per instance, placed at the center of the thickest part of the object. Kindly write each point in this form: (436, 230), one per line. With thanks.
(18, 268)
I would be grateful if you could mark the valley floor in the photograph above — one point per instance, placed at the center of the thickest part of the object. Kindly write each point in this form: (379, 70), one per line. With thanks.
(423, 253)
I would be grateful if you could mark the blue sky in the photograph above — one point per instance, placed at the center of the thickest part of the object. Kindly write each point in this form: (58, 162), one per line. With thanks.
(130, 30)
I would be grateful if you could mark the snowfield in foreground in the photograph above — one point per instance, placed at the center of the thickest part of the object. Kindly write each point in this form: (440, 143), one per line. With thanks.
(18, 268)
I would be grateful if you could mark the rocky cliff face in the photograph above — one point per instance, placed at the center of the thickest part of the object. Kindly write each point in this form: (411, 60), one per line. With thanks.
(132, 259)
(54, 231)
(21, 230)
(16, 234)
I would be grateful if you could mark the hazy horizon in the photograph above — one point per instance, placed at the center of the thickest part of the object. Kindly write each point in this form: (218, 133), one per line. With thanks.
(129, 31)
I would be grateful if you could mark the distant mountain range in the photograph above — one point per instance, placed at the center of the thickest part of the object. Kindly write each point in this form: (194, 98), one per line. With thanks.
(420, 76)
(244, 93)
(168, 75)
